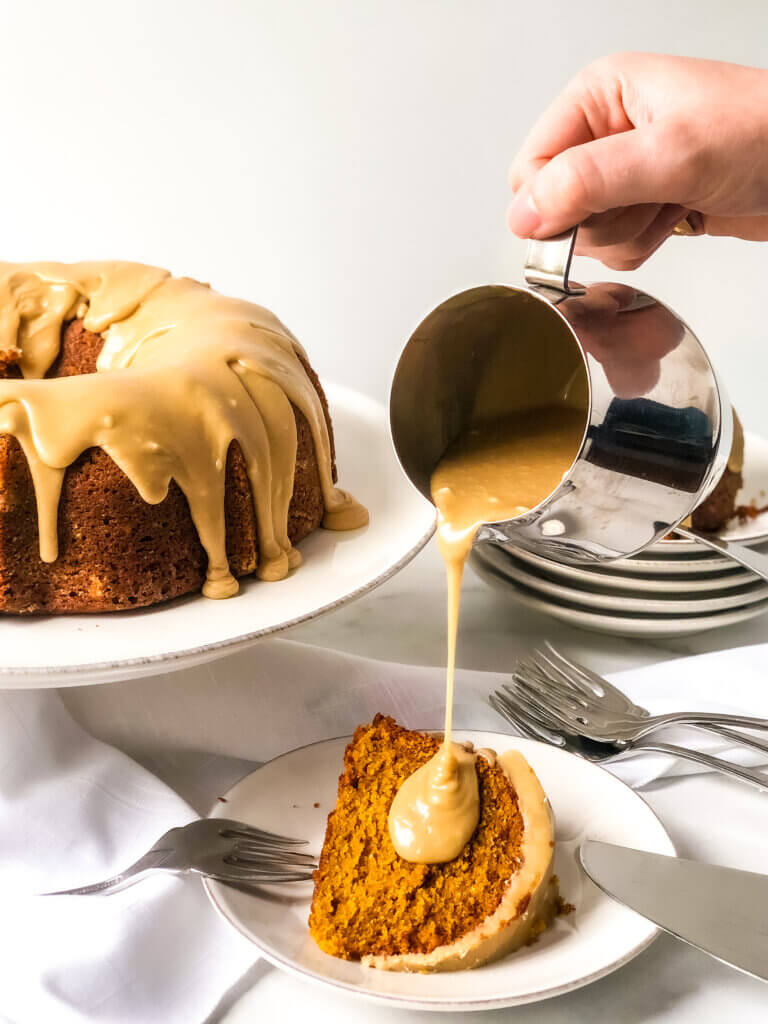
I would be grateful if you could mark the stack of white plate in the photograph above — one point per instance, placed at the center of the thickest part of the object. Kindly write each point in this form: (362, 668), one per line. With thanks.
(674, 588)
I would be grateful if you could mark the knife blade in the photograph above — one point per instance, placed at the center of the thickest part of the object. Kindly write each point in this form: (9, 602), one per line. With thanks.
(721, 911)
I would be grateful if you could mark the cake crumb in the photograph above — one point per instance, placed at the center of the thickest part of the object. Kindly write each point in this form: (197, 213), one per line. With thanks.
(751, 511)
(561, 906)
(9, 357)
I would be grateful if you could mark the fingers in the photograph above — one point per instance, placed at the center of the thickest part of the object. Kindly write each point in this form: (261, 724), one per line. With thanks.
(561, 127)
(752, 229)
(624, 247)
(588, 108)
(646, 165)
(615, 226)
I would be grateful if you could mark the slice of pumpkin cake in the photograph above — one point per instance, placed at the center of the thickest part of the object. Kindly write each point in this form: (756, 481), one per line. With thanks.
(371, 905)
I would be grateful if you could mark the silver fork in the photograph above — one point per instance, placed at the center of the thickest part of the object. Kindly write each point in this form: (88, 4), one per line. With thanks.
(229, 851)
(602, 712)
(540, 723)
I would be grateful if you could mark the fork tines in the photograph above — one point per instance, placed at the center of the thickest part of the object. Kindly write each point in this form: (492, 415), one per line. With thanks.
(241, 831)
(262, 857)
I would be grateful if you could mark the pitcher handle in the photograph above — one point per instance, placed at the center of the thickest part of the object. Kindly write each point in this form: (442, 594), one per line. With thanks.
(548, 263)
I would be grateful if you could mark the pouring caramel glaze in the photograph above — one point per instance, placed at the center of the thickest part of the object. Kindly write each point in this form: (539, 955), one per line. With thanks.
(495, 470)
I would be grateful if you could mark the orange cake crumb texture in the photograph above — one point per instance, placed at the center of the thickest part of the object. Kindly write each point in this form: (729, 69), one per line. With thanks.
(367, 899)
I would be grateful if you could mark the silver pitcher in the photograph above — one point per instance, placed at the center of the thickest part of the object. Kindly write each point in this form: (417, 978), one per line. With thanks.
(658, 424)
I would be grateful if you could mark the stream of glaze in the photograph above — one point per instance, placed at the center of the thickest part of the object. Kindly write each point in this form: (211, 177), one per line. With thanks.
(495, 471)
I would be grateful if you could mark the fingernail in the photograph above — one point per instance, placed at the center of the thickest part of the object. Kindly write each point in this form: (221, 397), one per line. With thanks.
(523, 217)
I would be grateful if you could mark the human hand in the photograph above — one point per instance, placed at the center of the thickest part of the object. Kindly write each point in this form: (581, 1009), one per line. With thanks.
(634, 144)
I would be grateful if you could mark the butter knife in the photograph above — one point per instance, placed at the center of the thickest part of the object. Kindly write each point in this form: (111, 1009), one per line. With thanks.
(721, 911)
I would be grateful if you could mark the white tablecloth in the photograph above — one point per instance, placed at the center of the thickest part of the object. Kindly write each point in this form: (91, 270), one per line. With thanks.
(73, 810)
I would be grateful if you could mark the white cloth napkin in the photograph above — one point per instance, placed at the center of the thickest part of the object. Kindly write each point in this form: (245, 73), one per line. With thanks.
(74, 809)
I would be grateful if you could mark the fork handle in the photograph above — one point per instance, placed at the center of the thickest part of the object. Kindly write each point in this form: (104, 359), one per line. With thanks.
(735, 737)
(748, 775)
(706, 718)
(109, 885)
(718, 724)
(135, 873)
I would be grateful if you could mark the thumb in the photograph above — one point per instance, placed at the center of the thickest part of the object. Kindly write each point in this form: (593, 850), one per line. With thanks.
(644, 165)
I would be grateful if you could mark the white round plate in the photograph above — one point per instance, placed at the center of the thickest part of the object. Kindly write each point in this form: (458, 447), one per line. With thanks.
(631, 624)
(754, 489)
(690, 584)
(689, 564)
(61, 650)
(598, 937)
(588, 595)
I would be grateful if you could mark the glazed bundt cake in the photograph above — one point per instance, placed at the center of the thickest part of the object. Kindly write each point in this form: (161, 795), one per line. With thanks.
(371, 905)
(156, 439)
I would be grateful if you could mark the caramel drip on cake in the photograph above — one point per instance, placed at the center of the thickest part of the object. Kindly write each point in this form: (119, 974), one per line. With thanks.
(183, 372)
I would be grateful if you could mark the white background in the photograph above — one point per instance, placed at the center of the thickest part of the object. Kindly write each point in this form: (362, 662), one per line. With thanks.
(344, 163)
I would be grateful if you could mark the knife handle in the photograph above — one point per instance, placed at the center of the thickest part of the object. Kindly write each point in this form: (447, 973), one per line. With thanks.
(736, 771)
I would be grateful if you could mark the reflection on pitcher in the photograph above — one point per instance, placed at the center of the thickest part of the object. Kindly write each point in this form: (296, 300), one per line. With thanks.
(627, 332)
